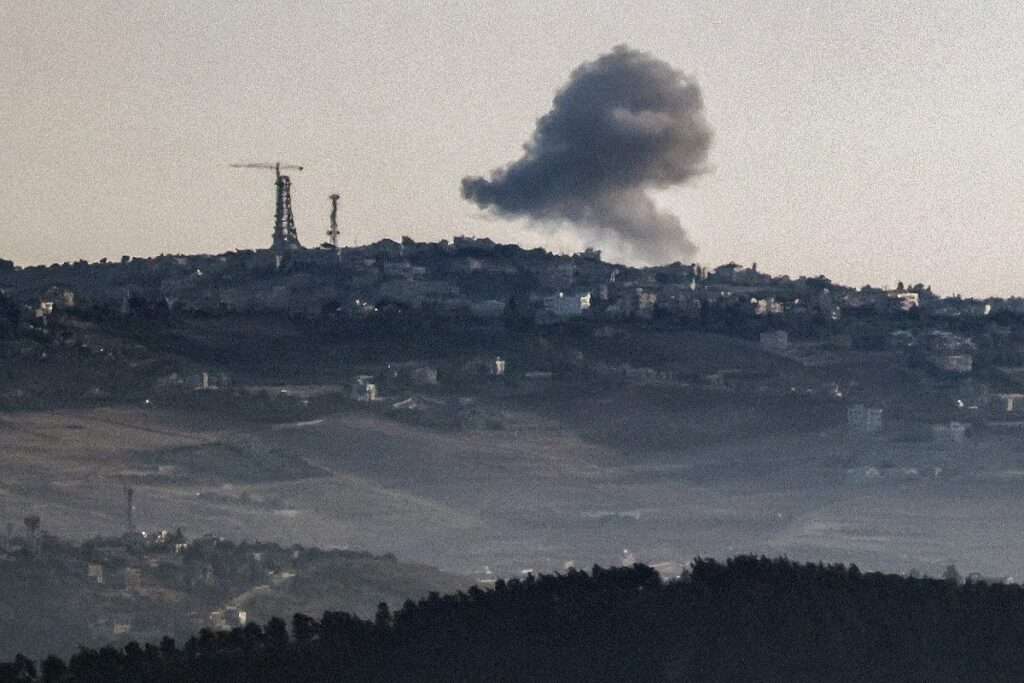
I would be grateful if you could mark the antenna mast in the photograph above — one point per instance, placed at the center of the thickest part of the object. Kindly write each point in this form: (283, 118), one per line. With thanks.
(333, 232)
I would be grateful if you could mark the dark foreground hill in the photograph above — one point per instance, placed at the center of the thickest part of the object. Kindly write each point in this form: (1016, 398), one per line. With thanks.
(749, 619)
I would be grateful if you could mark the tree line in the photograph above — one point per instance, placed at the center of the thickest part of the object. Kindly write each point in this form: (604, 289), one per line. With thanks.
(747, 619)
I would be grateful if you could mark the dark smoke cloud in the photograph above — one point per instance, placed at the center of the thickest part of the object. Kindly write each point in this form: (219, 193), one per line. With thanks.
(625, 123)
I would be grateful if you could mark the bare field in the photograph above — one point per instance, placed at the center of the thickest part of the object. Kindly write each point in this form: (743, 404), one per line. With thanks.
(534, 495)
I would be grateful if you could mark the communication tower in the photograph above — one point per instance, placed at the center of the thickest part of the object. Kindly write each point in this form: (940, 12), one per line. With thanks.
(129, 508)
(332, 234)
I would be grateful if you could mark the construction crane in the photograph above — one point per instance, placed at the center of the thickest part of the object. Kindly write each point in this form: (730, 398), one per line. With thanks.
(285, 236)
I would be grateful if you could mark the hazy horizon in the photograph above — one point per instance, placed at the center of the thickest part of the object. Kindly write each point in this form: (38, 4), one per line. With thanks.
(868, 143)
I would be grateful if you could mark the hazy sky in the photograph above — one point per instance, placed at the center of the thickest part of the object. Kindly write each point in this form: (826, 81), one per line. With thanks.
(871, 141)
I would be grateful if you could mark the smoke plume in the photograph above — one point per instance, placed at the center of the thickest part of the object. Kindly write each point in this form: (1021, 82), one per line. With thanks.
(624, 124)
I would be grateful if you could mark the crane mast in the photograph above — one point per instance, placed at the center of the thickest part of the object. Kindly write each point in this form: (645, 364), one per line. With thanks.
(285, 237)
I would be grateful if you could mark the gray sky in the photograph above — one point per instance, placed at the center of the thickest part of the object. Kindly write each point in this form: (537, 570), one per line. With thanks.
(871, 141)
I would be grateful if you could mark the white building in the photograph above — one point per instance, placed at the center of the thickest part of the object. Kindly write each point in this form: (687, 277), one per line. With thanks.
(364, 389)
(905, 301)
(1009, 403)
(767, 306)
(44, 309)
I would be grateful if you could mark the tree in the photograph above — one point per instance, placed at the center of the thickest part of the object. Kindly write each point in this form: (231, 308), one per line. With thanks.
(21, 669)
(54, 669)
(167, 647)
(304, 628)
(277, 633)
(383, 617)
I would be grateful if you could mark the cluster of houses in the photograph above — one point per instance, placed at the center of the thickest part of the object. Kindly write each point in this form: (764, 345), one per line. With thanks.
(410, 389)
(472, 276)
(468, 276)
(987, 409)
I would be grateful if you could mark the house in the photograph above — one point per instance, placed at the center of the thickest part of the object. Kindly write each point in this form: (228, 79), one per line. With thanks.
(492, 308)
(901, 339)
(950, 432)
(44, 309)
(94, 570)
(564, 305)
(678, 299)
(461, 243)
(561, 275)
(903, 300)
(412, 373)
(960, 308)
(727, 272)
(950, 353)
(230, 617)
(733, 273)
(494, 367)
(1008, 403)
(824, 305)
(716, 380)
(423, 374)
(775, 341)
(840, 342)
(767, 306)
(864, 420)
(942, 342)
(401, 270)
(384, 249)
(645, 302)
(415, 292)
(636, 301)
(133, 579)
(61, 296)
(954, 363)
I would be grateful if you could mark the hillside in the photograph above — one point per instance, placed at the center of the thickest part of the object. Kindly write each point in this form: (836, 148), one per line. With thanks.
(60, 595)
(491, 411)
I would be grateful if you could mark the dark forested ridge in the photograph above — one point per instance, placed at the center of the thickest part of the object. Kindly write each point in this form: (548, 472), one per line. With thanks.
(750, 619)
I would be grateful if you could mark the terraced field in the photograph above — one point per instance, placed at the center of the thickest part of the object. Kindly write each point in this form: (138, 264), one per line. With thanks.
(537, 494)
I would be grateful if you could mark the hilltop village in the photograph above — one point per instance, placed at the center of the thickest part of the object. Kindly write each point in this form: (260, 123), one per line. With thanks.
(402, 319)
